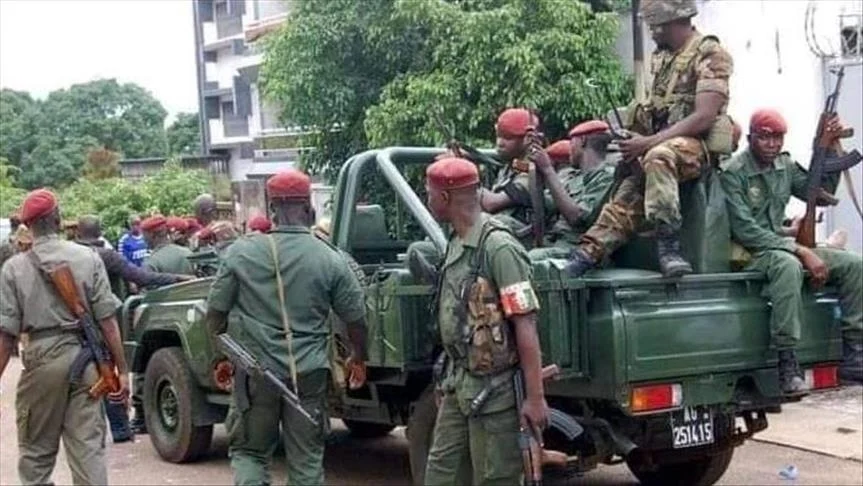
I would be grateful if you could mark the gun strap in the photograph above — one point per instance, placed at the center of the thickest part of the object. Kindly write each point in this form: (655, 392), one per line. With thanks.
(280, 289)
(852, 192)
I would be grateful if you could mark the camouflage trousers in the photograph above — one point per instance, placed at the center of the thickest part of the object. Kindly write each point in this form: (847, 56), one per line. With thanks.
(648, 196)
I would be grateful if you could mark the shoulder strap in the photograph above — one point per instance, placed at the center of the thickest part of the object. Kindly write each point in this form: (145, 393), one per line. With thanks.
(280, 288)
(488, 228)
(681, 62)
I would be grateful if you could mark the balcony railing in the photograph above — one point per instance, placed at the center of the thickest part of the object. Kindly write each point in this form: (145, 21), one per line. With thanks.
(236, 126)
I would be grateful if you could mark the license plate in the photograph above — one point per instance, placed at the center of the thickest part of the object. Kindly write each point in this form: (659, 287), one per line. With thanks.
(691, 427)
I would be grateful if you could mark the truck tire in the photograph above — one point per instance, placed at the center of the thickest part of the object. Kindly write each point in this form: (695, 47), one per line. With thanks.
(703, 471)
(419, 432)
(170, 398)
(367, 430)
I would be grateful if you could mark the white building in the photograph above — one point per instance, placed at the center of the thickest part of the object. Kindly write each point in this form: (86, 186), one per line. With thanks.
(235, 120)
(775, 67)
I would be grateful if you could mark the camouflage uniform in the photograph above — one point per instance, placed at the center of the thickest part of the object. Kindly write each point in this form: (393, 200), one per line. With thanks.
(650, 193)
(588, 189)
(513, 180)
(486, 442)
(48, 406)
(756, 200)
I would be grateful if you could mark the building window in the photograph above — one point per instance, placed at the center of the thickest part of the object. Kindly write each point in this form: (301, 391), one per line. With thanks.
(221, 9)
(227, 109)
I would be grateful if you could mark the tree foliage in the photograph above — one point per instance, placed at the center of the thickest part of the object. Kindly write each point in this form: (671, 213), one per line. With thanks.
(184, 135)
(10, 196)
(102, 164)
(49, 140)
(381, 69)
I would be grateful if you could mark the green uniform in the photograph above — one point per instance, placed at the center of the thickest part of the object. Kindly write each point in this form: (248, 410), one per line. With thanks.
(756, 200)
(588, 189)
(487, 442)
(316, 279)
(170, 258)
(47, 405)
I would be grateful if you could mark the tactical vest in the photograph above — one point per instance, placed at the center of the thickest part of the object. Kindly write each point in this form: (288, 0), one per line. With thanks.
(670, 103)
(487, 342)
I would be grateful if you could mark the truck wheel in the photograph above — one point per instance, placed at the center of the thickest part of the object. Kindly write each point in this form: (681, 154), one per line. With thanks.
(367, 430)
(419, 432)
(170, 398)
(703, 471)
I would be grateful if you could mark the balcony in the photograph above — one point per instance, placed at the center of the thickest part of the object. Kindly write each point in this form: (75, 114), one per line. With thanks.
(229, 26)
(236, 126)
(259, 28)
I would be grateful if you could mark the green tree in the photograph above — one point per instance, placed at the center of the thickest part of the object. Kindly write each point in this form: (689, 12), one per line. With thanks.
(122, 118)
(10, 196)
(184, 135)
(18, 121)
(102, 164)
(379, 69)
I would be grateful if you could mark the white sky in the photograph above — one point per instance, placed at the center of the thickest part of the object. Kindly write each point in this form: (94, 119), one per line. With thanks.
(51, 44)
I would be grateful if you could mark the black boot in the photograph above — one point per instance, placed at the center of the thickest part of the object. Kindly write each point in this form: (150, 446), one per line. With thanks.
(138, 425)
(579, 263)
(671, 263)
(790, 378)
(851, 369)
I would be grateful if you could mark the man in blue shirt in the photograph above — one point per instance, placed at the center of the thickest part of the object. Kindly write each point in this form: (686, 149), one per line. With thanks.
(132, 245)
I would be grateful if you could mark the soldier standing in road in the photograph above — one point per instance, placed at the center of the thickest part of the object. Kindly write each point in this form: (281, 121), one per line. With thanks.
(217, 233)
(165, 256)
(758, 183)
(578, 188)
(679, 132)
(486, 294)
(48, 405)
(276, 291)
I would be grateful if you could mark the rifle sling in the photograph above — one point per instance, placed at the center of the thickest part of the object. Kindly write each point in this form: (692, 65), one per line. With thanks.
(292, 360)
(852, 192)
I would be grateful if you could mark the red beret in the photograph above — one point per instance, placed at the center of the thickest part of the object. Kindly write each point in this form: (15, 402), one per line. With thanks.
(289, 184)
(514, 122)
(260, 223)
(38, 203)
(154, 223)
(589, 128)
(767, 121)
(176, 223)
(558, 151)
(452, 173)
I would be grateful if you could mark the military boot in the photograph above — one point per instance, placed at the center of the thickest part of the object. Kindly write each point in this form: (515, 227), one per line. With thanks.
(790, 378)
(139, 426)
(579, 263)
(851, 369)
(671, 263)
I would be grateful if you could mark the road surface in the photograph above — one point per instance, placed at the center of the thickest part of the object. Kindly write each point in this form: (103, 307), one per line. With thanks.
(384, 461)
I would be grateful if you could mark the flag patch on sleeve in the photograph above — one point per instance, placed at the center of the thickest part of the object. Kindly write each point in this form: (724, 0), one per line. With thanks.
(518, 298)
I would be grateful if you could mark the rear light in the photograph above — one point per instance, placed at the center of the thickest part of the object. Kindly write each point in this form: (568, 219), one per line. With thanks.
(656, 397)
(822, 377)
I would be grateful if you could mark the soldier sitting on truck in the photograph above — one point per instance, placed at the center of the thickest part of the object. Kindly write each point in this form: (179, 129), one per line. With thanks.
(759, 183)
(216, 233)
(578, 188)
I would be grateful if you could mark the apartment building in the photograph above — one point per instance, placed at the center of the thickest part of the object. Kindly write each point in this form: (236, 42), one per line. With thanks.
(236, 122)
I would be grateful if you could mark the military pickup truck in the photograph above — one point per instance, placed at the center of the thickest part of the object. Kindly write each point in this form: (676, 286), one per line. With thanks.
(666, 375)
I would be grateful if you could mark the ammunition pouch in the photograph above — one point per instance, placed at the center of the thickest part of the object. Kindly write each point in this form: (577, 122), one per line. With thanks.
(719, 140)
(638, 118)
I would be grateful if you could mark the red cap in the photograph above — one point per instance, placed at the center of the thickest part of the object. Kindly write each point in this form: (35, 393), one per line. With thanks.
(176, 223)
(38, 203)
(260, 223)
(192, 224)
(154, 223)
(289, 184)
(452, 173)
(767, 121)
(558, 151)
(514, 122)
(589, 128)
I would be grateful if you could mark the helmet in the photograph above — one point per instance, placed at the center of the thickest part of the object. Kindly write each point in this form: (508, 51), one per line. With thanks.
(657, 12)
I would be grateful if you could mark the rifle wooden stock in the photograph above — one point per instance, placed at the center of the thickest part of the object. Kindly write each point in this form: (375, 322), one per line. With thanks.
(806, 233)
(64, 282)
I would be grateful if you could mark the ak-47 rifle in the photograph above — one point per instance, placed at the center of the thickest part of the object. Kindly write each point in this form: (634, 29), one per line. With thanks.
(63, 281)
(462, 149)
(820, 165)
(536, 185)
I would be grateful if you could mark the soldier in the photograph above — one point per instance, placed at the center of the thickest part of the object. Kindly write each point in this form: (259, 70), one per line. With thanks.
(165, 257)
(759, 183)
(484, 263)
(70, 229)
(9, 247)
(48, 405)
(218, 233)
(256, 274)
(177, 228)
(681, 129)
(577, 189)
(259, 224)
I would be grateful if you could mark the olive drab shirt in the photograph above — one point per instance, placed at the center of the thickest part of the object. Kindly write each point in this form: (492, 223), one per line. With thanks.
(756, 199)
(29, 303)
(316, 279)
(514, 181)
(702, 65)
(507, 267)
(170, 258)
(588, 189)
